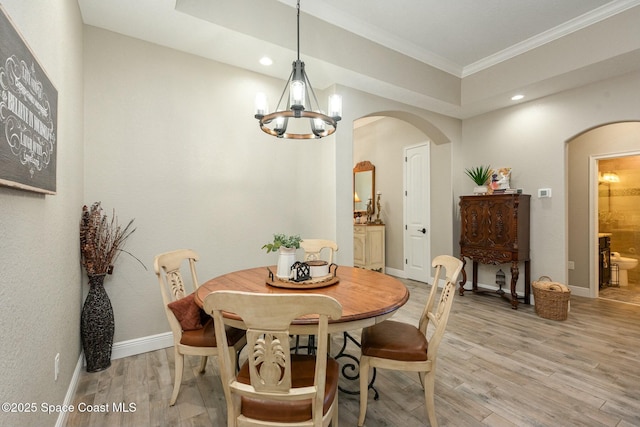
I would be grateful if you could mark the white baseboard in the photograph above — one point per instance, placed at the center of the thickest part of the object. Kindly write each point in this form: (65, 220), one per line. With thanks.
(395, 272)
(141, 345)
(71, 391)
(581, 292)
(118, 351)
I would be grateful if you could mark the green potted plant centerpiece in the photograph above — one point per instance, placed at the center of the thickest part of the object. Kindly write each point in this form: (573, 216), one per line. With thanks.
(479, 175)
(286, 247)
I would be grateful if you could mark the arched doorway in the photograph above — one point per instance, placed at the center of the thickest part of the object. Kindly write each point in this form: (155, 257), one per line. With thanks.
(583, 153)
(382, 139)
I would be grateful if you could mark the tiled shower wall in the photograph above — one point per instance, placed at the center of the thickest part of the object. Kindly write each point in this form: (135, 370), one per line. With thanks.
(619, 208)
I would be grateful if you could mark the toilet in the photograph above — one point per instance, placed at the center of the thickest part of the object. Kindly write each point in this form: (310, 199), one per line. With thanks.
(624, 264)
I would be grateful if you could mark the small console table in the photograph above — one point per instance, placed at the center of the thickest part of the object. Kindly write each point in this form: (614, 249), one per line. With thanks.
(368, 246)
(494, 229)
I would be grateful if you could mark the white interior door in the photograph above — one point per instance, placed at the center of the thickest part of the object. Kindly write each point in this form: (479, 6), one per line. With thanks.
(417, 233)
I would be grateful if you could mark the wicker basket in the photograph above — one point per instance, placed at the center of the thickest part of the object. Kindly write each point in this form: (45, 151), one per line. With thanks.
(551, 298)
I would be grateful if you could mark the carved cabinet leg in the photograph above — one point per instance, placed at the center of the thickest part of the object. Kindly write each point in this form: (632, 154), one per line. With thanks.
(464, 276)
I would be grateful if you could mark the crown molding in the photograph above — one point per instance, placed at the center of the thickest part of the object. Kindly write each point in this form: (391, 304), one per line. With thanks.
(548, 36)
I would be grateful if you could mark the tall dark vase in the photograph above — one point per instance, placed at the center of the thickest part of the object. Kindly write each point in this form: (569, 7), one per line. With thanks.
(97, 326)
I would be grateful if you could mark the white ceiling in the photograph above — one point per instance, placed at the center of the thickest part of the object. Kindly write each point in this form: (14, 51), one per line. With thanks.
(458, 37)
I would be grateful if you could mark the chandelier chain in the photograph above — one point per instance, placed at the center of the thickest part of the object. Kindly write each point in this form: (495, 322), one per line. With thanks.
(298, 7)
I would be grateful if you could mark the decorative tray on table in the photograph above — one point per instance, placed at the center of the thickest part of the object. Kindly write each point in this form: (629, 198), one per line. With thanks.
(311, 283)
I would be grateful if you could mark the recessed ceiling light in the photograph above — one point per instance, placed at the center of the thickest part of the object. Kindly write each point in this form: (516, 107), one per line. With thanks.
(265, 60)
(517, 97)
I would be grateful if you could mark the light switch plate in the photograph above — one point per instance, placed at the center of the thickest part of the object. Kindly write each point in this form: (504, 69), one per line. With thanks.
(544, 192)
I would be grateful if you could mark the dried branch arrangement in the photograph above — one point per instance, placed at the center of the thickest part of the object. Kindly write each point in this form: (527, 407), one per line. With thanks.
(101, 239)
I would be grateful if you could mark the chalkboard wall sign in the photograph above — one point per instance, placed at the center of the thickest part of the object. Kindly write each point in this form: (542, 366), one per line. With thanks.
(28, 116)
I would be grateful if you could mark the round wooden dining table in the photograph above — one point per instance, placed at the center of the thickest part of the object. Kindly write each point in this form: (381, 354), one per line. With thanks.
(367, 297)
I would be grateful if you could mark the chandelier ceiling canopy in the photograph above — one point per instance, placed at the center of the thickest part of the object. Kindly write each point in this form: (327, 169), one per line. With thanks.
(301, 106)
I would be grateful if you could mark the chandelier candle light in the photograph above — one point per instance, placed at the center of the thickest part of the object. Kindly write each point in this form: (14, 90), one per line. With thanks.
(300, 106)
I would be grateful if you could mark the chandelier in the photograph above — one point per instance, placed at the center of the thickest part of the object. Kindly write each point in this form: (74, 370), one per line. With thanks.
(302, 104)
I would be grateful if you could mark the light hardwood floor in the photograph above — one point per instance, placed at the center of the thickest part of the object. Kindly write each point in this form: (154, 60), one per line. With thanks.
(497, 367)
(630, 293)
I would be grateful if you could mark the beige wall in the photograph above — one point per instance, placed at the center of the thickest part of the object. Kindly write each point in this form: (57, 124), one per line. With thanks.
(531, 138)
(171, 143)
(40, 278)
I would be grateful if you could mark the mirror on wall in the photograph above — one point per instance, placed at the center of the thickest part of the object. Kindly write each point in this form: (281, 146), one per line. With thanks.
(364, 182)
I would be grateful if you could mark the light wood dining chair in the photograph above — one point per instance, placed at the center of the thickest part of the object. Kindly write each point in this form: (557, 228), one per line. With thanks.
(193, 330)
(404, 347)
(274, 387)
(314, 249)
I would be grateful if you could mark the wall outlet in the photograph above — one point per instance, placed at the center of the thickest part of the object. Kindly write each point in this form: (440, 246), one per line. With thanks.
(56, 367)
(571, 265)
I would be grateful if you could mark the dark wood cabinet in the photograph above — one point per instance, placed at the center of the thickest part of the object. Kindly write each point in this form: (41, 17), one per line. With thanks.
(494, 229)
(604, 246)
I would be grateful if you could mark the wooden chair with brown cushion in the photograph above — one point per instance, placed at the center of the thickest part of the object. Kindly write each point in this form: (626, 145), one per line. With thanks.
(192, 328)
(404, 347)
(274, 387)
(313, 249)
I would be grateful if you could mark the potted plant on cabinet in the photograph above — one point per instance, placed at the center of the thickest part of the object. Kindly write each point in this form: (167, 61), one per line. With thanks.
(479, 175)
(286, 247)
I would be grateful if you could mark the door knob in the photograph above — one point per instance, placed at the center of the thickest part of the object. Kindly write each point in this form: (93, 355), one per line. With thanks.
(423, 231)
